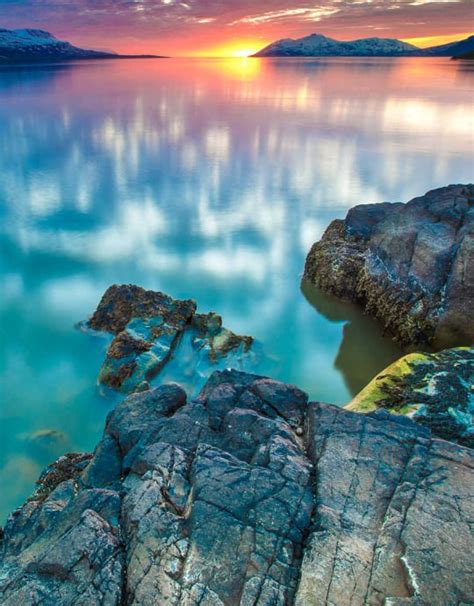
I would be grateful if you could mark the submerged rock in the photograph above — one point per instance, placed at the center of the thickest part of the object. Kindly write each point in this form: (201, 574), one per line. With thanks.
(46, 438)
(147, 326)
(436, 390)
(410, 265)
(248, 495)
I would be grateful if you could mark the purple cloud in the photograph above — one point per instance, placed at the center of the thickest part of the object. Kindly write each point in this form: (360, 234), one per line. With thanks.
(187, 25)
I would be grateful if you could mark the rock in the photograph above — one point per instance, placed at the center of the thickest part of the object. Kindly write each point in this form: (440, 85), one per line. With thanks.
(410, 265)
(213, 337)
(392, 514)
(248, 494)
(436, 390)
(68, 467)
(214, 503)
(44, 444)
(148, 326)
(45, 438)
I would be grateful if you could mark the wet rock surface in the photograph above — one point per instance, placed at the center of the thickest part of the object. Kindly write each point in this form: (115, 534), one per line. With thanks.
(410, 265)
(393, 514)
(436, 390)
(247, 495)
(147, 326)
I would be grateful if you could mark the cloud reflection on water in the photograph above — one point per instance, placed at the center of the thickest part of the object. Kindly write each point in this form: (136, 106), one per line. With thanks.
(208, 179)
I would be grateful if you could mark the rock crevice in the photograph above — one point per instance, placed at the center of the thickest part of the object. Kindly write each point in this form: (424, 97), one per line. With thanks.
(247, 495)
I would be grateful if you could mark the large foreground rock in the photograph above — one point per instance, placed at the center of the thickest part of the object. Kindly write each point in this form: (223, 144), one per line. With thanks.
(410, 265)
(248, 495)
(436, 390)
(147, 326)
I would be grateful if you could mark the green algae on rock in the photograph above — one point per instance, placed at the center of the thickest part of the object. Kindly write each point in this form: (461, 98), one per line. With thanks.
(411, 266)
(434, 389)
(148, 326)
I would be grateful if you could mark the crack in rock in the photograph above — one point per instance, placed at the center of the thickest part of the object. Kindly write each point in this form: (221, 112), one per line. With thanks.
(224, 500)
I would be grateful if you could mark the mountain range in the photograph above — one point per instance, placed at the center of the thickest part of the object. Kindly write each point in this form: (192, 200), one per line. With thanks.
(35, 45)
(317, 45)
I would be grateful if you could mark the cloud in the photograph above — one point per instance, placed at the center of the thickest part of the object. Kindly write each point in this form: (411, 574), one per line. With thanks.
(179, 26)
(309, 14)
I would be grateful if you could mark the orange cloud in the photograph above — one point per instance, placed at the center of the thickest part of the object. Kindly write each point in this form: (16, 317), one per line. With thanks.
(237, 27)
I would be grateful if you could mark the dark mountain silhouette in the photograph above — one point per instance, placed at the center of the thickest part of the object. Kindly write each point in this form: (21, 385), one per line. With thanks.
(38, 46)
(317, 45)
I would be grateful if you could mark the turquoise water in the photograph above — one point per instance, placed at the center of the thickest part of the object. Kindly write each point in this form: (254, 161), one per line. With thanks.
(207, 179)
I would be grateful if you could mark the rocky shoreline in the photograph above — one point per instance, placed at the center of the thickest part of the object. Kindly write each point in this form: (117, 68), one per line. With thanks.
(247, 495)
(411, 266)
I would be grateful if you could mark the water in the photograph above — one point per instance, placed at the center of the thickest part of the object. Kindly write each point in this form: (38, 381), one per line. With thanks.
(207, 179)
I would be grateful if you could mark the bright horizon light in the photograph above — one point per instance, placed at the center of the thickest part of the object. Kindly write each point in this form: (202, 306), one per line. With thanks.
(239, 49)
(244, 52)
(247, 48)
(427, 41)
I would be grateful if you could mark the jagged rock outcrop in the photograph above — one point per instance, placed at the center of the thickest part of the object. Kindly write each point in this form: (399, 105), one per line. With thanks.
(410, 265)
(247, 495)
(147, 326)
(436, 390)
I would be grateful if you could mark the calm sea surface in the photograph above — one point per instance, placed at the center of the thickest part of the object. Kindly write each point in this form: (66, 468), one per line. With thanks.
(207, 179)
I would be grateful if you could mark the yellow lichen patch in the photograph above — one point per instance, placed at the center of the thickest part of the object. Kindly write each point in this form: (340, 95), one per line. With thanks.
(368, 399)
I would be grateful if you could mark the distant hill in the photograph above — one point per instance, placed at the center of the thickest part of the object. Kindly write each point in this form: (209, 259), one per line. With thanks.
(450, 50)
(317, 45)
(469, 55)
(38, 46)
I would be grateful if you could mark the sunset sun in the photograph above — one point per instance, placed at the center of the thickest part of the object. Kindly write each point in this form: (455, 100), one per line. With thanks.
(234, 48)
(244, 51)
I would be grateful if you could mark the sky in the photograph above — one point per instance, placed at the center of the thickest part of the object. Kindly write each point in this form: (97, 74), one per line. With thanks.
(235, 27)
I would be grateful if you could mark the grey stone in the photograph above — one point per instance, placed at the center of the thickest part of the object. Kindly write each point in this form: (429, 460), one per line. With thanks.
(410, 265)
(247, 495)
(147, 327)
(436, 390)
(393, 517)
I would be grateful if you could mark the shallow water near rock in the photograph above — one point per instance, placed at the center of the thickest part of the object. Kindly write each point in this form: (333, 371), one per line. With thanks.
(207, 179)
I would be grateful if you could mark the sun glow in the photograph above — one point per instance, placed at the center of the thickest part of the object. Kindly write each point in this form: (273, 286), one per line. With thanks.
(244, 52)
(240, 68)
(436, 40)
(242, 49)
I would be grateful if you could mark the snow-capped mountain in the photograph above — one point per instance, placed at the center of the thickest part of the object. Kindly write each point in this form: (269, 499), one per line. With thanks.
(21, 45)
(317, 45)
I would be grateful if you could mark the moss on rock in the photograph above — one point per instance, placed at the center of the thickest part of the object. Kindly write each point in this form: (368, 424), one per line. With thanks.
(435, 389)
